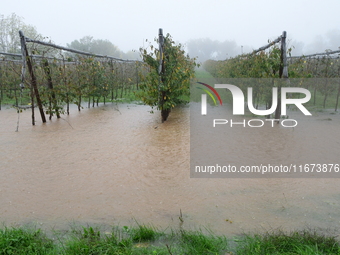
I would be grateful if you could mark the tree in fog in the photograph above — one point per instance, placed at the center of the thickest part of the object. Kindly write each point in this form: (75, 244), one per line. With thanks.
(202, 48)
(321, 43)
(96, 46)
(9, 33)
(205, 48)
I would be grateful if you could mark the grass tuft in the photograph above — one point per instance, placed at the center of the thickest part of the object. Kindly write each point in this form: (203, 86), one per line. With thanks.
(304, 242)
(143, 233)
(24, 241)
(143, 240)
(89, 241)
(195, 242)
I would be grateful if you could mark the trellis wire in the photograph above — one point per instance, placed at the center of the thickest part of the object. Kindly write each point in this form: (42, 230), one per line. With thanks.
(317, 54)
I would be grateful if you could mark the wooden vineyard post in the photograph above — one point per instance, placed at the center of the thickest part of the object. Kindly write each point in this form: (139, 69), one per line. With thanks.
(137, 78)
(161, 48)
(161, 64)
(23, 71)
(1, 89)
(284, 67)
(52, 97)
(34, 86)
(283, 72)
(337, 99)
(338, 94)
(161, 71)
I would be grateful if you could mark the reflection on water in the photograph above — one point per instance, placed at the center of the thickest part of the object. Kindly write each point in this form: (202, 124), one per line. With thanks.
(111, 165)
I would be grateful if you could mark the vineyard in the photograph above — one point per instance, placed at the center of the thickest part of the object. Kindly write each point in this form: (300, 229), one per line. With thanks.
(52, 77)
(316, 72)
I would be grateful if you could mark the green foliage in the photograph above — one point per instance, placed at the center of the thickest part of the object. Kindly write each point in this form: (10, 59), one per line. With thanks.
(73, 79)
(171, 87)
(264, 64)
(304, 243)
(314, 67)
(142, 240)
(267, 64)
(24, 241)
(9, 33)
(89, 241)
(195, 242)
(143, 233)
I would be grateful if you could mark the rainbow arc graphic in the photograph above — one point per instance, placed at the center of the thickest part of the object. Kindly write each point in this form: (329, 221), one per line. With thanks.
(204, 96)
(209, 93)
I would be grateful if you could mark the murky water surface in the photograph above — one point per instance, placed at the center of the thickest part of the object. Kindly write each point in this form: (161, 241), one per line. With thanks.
(116, 164)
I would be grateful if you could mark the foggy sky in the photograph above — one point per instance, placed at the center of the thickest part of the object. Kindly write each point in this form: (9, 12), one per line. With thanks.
(127, 23)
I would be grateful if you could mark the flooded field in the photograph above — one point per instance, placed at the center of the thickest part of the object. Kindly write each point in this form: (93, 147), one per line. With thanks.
(118, 163)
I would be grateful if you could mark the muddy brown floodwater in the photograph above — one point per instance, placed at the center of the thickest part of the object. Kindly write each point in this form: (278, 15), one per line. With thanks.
(116, 164)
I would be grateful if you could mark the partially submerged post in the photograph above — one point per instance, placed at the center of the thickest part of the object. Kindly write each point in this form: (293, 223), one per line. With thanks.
(161, 71)
(283, 72)
(52, 96)
(34, 86)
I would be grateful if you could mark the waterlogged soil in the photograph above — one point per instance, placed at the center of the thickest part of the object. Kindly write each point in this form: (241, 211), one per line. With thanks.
(117, 164)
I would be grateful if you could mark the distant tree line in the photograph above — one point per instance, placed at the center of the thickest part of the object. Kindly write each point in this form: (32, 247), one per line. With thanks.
(10, 41)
